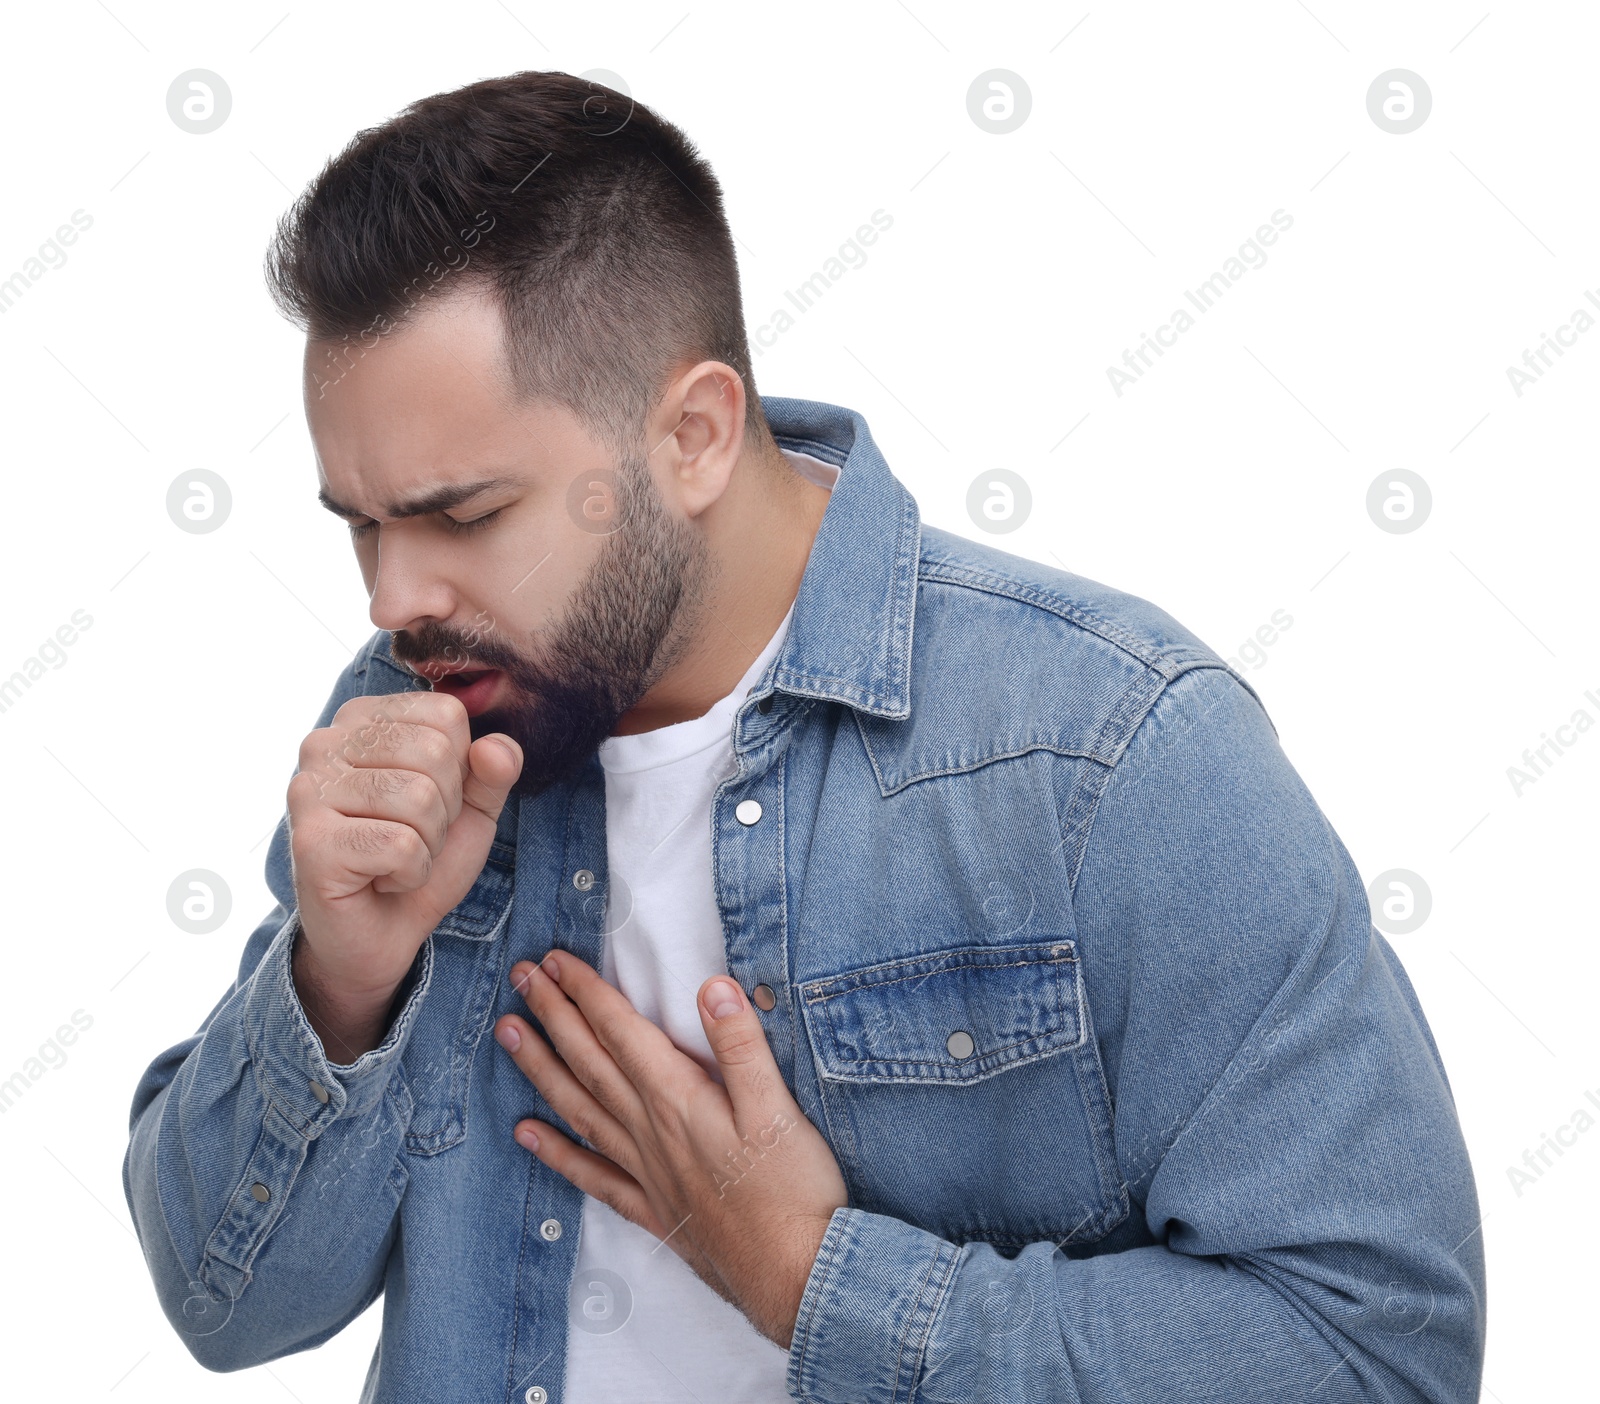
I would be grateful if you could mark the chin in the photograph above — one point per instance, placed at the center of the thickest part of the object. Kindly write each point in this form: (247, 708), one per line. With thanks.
(547, 760)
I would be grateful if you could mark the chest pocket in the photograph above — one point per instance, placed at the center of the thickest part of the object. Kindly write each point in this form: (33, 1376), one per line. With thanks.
(437, 1063)
(964, 1094)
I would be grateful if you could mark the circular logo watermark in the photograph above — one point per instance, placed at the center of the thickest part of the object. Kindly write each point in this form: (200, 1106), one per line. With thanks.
(199, 101)
(1400, 901)
(1399, 101)
(612, 117)
(198, 901)
(1006, 900)
(614, 906)
(606, 79)
(599, 1301)
(594, 501)
(999, 101)
(198, 501)
(1399, 501)
(1007, 1305)
(999, 500)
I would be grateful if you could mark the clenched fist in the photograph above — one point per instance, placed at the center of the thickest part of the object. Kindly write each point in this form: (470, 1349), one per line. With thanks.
(391, 815)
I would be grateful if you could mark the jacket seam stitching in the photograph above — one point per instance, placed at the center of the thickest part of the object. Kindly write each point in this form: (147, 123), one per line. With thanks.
(1006, 587)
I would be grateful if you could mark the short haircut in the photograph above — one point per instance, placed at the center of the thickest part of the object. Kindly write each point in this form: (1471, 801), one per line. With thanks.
(597, 224)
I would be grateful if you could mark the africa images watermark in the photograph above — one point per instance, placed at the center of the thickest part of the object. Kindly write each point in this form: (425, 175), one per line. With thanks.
(1536, 1161)
(1537, 361)
(52, 1054)
(1537, 760)
(1251, 254)
(380, 326)
(52, 651)
(741, 1162)
(51, 254)
(850, 254)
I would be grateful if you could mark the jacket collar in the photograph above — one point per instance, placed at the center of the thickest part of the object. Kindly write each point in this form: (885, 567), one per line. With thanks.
(849, 638)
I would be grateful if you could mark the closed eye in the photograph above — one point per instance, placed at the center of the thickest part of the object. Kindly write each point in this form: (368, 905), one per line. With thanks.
(454, 527)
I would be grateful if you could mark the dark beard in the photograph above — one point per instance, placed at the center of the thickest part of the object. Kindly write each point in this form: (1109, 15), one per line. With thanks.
(627, 623)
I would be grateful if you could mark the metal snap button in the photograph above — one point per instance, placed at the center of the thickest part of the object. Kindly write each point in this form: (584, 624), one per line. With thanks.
(260, 1191)
(534, 1394)
(550, 1230)
(762, 997)
(960, 1044)
(583, 879)
(765, 704)
(748, 811)
(319, 1091)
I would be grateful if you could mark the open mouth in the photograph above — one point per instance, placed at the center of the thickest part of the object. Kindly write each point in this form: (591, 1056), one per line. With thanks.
(476, 687)
(460, 681)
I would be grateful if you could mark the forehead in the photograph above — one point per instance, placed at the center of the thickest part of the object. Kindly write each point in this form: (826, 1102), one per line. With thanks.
(425, 405)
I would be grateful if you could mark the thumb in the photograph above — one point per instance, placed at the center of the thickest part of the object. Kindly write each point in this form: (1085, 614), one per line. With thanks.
(749, 1071)
(493, 764)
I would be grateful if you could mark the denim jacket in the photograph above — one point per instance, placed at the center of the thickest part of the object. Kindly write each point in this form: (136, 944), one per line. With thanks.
(1131, 1100)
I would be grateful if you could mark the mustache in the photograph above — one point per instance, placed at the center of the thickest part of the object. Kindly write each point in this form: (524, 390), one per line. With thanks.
(438, 643)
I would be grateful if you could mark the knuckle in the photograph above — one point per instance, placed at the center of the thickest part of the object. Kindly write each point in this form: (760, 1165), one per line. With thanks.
(352, 709)
(302, 791)
(386, 782)
(435, 745)
(316, 747)
(442, 707)
(739, 1048)
(600, 1135)
(412, 851)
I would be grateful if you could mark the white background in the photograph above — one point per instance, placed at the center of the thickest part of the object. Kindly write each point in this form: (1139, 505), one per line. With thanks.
(1228, 483)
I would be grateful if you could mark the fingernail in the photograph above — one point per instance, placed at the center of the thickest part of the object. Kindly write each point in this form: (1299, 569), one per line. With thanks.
(528, 1138)
(552, 969)
(723, 999)
(509, 1038)
(520, 973)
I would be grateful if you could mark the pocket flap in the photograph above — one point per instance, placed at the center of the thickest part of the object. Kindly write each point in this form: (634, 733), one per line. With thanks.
(953, 1016)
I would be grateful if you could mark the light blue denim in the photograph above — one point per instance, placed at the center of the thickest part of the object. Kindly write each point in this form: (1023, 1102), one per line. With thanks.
(1131, 1099)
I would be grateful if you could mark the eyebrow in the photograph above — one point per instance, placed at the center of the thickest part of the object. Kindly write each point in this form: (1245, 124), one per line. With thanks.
(437, 499)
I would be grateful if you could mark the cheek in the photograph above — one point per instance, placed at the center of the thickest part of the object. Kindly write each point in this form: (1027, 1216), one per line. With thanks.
(530, 584)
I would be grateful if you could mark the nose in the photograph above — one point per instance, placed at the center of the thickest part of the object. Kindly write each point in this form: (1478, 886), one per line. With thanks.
(406, 585)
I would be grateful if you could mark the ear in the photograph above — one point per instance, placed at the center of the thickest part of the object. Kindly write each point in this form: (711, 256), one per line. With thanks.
(697, 434)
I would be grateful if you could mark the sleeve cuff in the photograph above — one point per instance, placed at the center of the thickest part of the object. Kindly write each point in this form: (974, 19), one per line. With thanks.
(294, 1071)
(868, 1310)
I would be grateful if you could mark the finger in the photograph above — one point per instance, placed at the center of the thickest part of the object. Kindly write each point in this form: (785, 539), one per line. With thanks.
(403, 732)
(574, 1040)
(646, 1056)
(391, 856)
(440, 710)
(472, 828)
(749, 1071)
(593, 1174)
(567, 1096)
(403, 796)
(598, 1177)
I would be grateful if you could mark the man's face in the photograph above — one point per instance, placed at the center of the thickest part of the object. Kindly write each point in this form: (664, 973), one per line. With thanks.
(552, 583)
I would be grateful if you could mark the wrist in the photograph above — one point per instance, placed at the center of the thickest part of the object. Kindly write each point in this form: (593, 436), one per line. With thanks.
(347, 1022)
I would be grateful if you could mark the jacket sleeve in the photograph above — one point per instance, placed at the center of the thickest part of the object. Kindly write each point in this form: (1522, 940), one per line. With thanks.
(1283, 1124)
(263, 1179)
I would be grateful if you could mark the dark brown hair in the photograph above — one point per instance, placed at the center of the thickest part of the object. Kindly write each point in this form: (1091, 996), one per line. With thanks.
(597, 223)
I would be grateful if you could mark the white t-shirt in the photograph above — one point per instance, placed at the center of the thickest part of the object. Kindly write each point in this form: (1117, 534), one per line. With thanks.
(679, 1340)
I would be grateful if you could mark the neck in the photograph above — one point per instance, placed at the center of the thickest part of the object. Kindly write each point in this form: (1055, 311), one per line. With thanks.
(759, 533)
